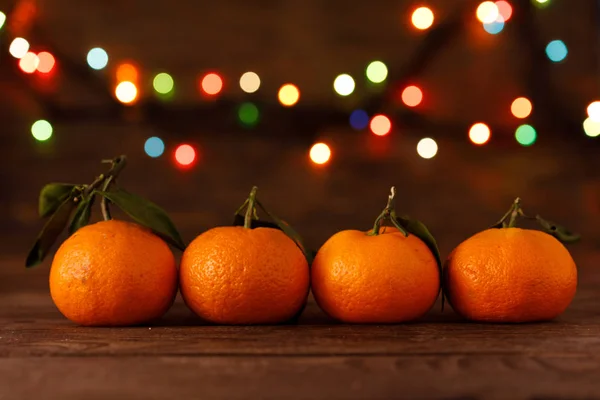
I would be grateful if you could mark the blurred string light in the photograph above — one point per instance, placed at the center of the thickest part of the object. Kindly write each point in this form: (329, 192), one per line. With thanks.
(412, 96)
(376, 72)
(211, 84)
(154, 147)
(185, 155)
(320, 153)
(344, 85)
(541, 3)
(248, 114)
(2, 19)
(422, 18)
(46, 62)
(288, 95)
(479, 133)
(593, 111)
(18, 47)
(380, 125)
(29, 63)
(126, 92)
(359, 119)
(494, 28)
(556, 50)
(504, 9)
(591, 127)
(525, 135)
(521, 107)
(41, 130)
(163, 83)
(97, 58)
(427, 148)
(127, 72)
(250, 82)
(487, 12)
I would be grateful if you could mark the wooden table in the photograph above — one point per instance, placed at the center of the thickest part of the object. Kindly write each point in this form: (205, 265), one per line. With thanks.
(42, 355)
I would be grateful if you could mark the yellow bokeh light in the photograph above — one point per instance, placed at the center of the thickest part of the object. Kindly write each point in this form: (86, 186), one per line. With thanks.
(479, 133)
(422, 18)
(344, 85)
(593, 111)
(320, 153)
(487, 12)
(288, 95)
(250, 82)
(126, 92)
(591, 127)
(427, 148)
(18, 47)
(29, 63)
(521, 107)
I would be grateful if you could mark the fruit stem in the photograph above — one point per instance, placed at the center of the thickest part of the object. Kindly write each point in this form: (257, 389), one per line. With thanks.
(251, 208)
(514, 213)
(117, 165)
(389, 214)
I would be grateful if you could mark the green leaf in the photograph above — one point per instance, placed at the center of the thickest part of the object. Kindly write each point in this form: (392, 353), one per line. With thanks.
(52, 196)
(238, 220)
(146, 213)
(560, 232)
(290, 232)
(82, 214)
(55, 225)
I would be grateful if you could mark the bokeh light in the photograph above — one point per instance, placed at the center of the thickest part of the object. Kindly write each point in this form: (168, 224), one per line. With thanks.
(479, 133)
(126, 92)
(541, 3)
(248, 114)
(97, 58)
(380, 125)
(427, 148)
(521, 107)
(593, 111)
(2, 19)
(359, 119)
(288, 95)
(46, 62)
(29, 63)
(250, 82)
(487, 12)
(41, 130)
(163, 83)
(320, 153)
(127, 72)
(412, 96)
(422, 18)
(556, 50)
(18, 47)
(154, 147)
(344, 85)
(525, 135)
(494, 28)
(185, 155)
(504, 9)
(591, 127)
(211, 84)
(376, 72)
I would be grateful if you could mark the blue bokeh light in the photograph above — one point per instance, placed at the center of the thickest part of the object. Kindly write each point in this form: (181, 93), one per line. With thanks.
(556, 50)
(97, 58)
(154, 147)
(495, 27)
(359, 119)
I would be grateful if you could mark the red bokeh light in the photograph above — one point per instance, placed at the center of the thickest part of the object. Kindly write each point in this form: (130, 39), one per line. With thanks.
(380, 125)
(185, 155)
(412, 96)
(505, 9)
(211, 84)
(46, 63)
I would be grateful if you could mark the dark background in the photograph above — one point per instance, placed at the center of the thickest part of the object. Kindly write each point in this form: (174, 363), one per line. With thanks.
(467, 76)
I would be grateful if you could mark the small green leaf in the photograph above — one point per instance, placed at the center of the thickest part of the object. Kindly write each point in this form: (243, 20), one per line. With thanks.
(82, 214)
(55, 225)
(52, 196)
(560, 232)
(290, 232)
(146, 213)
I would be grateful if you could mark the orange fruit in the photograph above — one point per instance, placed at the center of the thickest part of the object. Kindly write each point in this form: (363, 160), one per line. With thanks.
(510, 275)
(113, 273)
(237, 275)
(387, 278)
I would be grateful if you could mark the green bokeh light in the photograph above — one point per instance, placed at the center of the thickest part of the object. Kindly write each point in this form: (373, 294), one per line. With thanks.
(526, 135)
(163, 83)
(248, 114)
(2, 19)
(41, 130)
(377, 72)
